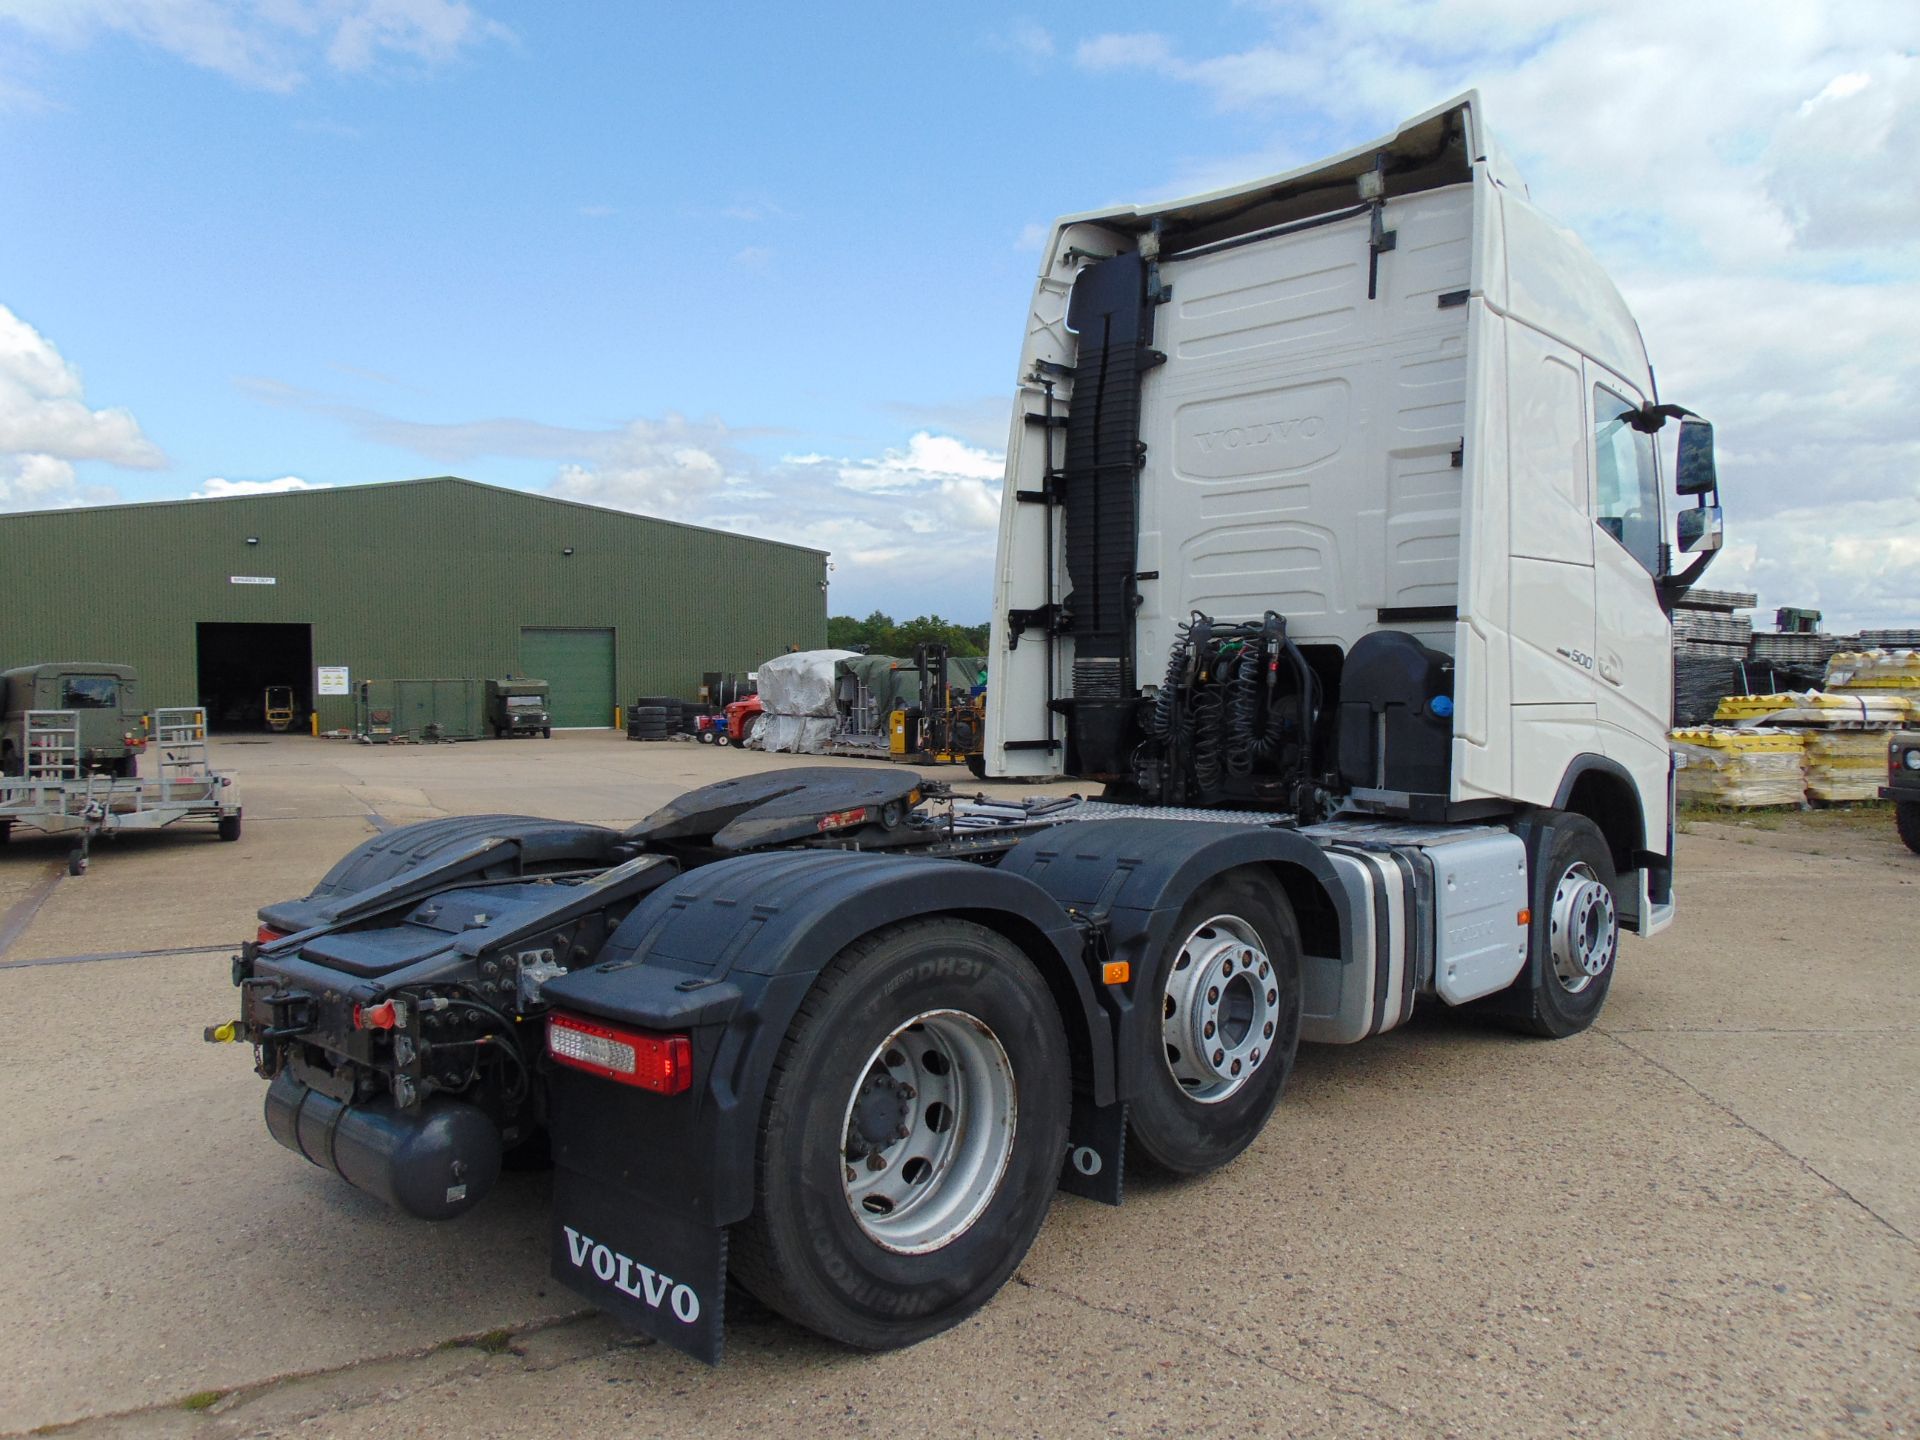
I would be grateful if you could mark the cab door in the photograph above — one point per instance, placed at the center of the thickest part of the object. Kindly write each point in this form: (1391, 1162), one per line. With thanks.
(1633, 637)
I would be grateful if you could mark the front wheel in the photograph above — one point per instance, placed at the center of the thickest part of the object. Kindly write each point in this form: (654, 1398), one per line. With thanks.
(1575, 936)
(1906, 819)
(912, 1136)
(229, 827)
(1219, 1008)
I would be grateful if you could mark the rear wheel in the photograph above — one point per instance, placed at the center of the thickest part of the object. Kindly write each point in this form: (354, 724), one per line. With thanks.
(1220, 1015)
(229, 827)
(912, 1137)
(1575, 936)
(1906, 819)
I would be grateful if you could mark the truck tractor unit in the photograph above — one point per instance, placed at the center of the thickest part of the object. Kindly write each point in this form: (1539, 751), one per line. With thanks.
(1334, 558)
(518, 707)
(102, 726)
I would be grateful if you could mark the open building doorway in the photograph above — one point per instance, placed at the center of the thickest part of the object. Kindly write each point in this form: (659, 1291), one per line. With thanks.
(239, 661)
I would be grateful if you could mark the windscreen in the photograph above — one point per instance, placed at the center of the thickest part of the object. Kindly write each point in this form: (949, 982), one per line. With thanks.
(90, 692)
(523, 702)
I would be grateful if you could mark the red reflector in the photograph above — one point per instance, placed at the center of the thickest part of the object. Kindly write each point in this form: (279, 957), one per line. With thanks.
(375, 1017)
(268, 935)
(661, 1063)
(844, 819)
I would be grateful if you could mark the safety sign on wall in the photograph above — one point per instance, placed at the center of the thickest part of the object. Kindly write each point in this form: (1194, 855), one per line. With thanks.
(333, 681)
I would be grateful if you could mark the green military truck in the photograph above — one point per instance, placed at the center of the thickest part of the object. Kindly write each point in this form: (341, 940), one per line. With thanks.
(108, 727)
(518, 706)
(1903, 785)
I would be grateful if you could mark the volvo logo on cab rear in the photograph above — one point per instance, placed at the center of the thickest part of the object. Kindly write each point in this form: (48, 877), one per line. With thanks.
(1266, 433)
(631, 1278)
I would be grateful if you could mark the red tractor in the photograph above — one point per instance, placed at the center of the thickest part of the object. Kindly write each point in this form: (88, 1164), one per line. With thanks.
(731, 725)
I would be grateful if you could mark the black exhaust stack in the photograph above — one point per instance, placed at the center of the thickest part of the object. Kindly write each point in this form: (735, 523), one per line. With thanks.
(1098, 486)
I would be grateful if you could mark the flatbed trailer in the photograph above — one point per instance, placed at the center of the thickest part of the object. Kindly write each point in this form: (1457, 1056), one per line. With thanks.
(1332, 550)
(55, 797)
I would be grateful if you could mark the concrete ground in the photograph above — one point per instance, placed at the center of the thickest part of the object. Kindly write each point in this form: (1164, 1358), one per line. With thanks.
(1698, 1219)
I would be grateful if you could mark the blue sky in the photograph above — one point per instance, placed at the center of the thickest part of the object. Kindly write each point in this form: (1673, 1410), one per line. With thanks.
(766, 266)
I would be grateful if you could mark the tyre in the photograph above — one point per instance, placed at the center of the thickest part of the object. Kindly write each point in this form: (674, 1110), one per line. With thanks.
(1575, 937)
(1906, 819)
(723, 740)
(1220, 1009)
(229, 827)
(546, 733)
(76, 864)
(912, 1136)
(977, 766)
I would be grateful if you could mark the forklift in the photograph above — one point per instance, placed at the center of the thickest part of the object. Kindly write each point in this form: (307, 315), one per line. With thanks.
(943, 728)
(278, 707)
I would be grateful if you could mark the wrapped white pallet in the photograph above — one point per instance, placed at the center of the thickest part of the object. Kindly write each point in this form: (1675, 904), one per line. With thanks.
(1740, 768)
(1876, 672)
(796, 695)
(1844, 765)
(1885, 709)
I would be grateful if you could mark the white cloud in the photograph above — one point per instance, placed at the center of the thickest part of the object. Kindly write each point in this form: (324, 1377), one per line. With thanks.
(1027, 39)
(218, 489)
(270, 45)
(46, 424)
(1749, 184)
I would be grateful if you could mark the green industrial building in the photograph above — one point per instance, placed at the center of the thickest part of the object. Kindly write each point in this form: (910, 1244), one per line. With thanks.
(214, 600)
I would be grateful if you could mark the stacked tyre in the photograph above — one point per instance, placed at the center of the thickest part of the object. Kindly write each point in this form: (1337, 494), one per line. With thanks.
(648, 722)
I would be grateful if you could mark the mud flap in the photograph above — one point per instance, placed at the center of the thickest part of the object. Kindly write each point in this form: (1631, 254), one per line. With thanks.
(656, 1273)
(1095, 1167)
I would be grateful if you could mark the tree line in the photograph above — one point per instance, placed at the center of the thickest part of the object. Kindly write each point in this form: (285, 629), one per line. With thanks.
(881, 634)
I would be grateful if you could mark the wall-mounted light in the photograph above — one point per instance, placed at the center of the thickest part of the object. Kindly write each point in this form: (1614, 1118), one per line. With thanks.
(567, 550)
(253, 539)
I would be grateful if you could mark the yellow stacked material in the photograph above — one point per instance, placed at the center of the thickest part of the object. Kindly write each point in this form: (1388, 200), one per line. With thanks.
(1846, 764)
(1868, 707)
(1880, 672)
(1734, 708)
(1740, 767)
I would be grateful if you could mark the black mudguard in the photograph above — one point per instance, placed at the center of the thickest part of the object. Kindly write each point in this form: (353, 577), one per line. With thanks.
(1134, 876)
(726, 953)
(527, 843)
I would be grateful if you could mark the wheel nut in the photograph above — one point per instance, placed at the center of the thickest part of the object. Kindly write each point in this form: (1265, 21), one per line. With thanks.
(876, 1162)
(1227, 968)
(902, 1133)
(1213, 995)
(1218, 1056)
(1235, 1067)
(905, 1092)
(1267, 1032)
(1208, 1032)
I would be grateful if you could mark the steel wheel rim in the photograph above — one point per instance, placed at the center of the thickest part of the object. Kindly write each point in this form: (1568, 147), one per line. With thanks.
(928, 1132)
(1220, 1013)
(1584, 928)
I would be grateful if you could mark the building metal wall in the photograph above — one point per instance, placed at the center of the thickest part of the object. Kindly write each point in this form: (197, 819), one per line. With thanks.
(424, 578)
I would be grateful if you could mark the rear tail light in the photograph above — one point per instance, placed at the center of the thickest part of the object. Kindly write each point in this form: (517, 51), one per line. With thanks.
(652, 1061)
(267, 935)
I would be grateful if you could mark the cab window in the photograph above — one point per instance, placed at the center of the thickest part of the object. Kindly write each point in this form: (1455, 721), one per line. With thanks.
(90, 692)
(1626, 491)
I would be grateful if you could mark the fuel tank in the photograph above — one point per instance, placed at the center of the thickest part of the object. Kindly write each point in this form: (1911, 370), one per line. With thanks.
(433, 1165)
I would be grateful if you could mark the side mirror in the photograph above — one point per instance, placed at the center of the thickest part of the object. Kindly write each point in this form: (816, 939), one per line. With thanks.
(1693, 472)
(1701, 531)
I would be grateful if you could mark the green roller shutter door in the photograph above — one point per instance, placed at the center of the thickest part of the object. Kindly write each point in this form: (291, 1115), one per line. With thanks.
(578, 665)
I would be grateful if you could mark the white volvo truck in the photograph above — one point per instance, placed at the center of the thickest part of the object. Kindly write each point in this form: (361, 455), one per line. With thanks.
(1334, 551)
